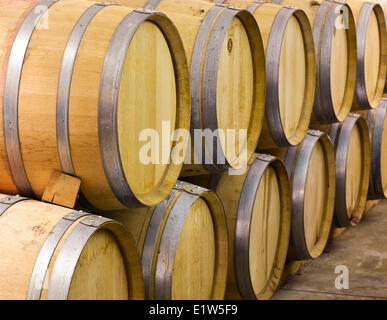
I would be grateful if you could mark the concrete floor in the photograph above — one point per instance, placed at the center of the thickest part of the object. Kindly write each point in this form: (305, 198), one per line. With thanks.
(362, 249)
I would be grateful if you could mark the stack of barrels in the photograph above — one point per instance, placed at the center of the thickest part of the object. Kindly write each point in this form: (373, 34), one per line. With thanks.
(214, 142)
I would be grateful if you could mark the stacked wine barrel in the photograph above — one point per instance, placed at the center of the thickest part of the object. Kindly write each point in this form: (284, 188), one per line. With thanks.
(72, 76)
(85, 83)
(335, 58)
(51, 252)
(214, 141)
(377, 126)
(290, 72)
(183, 242)
(227, 71)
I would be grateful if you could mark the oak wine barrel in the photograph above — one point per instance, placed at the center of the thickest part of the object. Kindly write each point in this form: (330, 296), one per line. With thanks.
(311, 170)
(334, 34)
(54, 253)
(257, 206)
(383, 4)
(290, 71)
(377, 127)
(79, 82)
(353, 165)
(371, 36)
(227, 72)
(183, 242)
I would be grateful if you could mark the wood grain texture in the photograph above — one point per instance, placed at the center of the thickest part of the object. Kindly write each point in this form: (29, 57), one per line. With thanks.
(235, 97)
(136, 221)
(340, 65)
(148, 81)
(292, 74)
(372, 56)
(375, 53)
(12, 15)
(268, 226)
(62, 190)
(194, 268)
(378, 138)
(316, 197)
(197, 260)
(83, 107)
(292, 77)
(138, 75)
(24, 225)
(163, 68)
(100, 272)
(265, 230)
(240, 77)
(296, 72)
(342, 68)
(354, 175)
(38, 87)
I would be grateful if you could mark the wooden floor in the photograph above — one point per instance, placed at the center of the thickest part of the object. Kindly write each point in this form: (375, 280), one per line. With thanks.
(362, 249)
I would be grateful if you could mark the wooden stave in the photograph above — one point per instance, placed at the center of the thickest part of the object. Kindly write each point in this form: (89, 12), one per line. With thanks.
(7, 183)
(209, 117)
(121, 189)
(240, 281)
(273, 135)
(324, 79)
(11, 95)
(219, 219)
(361, 101)
(375, 120)
(204, 117)
(384, 7)
(323, 26)
(152, 240)
(341, 145)
(297, 170)
(360, 98)
(298, 166)
(170, 32)
(83, 226)
(273, 118)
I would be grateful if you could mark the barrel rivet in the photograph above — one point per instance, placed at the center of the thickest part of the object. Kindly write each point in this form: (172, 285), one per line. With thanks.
(266, 157)
(316, 133)
(353, 115)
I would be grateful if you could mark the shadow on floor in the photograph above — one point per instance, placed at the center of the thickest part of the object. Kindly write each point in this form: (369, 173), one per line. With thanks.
(362, 250)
